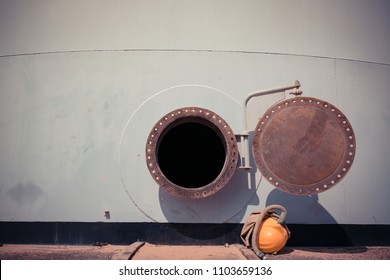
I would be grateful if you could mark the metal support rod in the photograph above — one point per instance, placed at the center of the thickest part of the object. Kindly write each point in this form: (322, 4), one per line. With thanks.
(245, 134)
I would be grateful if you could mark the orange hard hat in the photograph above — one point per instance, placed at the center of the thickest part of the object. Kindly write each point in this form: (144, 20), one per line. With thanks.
(272, 236)
(270, 233)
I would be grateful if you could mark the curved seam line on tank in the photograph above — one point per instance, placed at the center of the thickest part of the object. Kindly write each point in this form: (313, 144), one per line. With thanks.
(335, 81)
(160, 92)
(193, 50)
(132, 115)
(135, 204)
(337, 103)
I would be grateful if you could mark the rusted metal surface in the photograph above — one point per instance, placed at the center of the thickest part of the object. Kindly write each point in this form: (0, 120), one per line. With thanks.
(303, 145)
(244, 136)
(204, 117)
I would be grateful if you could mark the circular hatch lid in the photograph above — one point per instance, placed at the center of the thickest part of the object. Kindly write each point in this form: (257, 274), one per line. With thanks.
(303, 145)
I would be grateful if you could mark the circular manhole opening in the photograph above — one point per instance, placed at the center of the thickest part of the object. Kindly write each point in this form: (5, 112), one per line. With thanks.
(191, 152)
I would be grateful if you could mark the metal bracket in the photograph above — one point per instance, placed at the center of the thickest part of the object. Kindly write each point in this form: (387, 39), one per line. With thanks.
(245, 134)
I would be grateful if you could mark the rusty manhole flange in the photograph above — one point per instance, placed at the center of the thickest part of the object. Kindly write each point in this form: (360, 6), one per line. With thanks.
(206, 117)
(303, 145)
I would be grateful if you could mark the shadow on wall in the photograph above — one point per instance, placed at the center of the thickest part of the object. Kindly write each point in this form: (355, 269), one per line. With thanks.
(213, 217)
(302, 208)
(216, 216)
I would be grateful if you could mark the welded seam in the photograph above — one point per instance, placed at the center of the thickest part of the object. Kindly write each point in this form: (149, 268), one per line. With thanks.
(193, 51)
(129, 120)
(167, 89)
(335, 81)
(337, 103)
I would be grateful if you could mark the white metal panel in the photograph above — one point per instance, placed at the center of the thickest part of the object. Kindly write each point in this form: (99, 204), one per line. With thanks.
(364, 93)
(65, 115)
(315, 28)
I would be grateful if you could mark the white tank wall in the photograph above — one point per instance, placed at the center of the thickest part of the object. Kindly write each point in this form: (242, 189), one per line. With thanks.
(83, 82)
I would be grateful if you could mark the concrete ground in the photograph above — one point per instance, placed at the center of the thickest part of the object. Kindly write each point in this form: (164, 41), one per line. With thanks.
(147, 251)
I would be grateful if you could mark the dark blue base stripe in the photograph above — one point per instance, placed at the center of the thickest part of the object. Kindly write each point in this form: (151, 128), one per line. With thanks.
(82, 233)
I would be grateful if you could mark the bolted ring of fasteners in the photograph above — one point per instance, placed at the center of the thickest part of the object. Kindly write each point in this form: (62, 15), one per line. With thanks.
(201, 117)
(304, 145)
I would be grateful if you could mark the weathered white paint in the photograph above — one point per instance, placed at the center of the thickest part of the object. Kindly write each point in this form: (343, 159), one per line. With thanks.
(82, 82)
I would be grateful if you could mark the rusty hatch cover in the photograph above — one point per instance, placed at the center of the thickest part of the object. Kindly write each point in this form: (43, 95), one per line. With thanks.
(303, 145)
